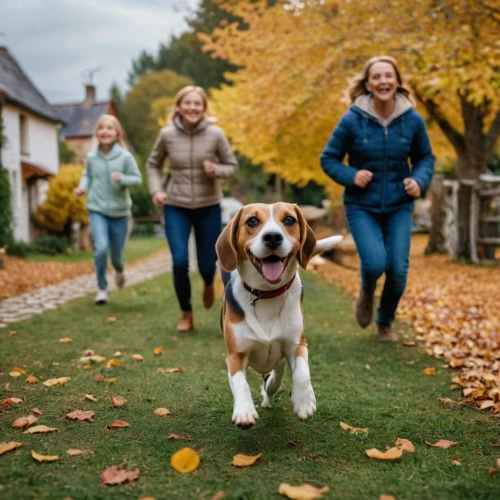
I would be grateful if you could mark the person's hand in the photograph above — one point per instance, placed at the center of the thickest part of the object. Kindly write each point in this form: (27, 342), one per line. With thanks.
(160, 198)
(412, 187)
(362, 178)
(78, 191)
(209, 167)
(116, 176)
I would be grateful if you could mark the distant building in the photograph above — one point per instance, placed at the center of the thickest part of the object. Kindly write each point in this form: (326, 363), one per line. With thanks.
(80, 121)
(31, 151)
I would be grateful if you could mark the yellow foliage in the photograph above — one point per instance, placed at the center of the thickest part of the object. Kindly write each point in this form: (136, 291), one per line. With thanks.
(62, 206)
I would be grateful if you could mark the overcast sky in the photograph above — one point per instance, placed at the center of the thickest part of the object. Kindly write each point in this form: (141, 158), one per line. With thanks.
(56, 42)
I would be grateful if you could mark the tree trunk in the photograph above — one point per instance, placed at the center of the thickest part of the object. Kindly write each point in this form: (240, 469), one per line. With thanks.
(437, 243)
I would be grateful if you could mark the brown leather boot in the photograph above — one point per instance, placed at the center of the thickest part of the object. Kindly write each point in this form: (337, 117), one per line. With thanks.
(385, 334)
(364, 308)
(186, 323)
(208, 296)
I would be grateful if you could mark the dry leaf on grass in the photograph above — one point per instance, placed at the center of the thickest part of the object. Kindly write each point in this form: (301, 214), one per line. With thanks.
(456, 462)
(101, 378)
(409, 344)
(56, 381)
(73, 452)
(492, 471)
(111, 319)
(31, 379)
(177, 436)
(117, 424)
(81, 415)
(95, 358)
(158, 351)
(114, 363)
(185, 460)
(429, 371)
(118, 401)
(138, 315)
(220, 495)
(162, 412)
(354, 430)
(483, 405)
(386, 497)
(16, 400)
(8, 446)
(169, 370)
(119, 475)
(405, 445)
(443, 443)
(36, 411)
(13, 332)
(23, 422)
(66, 340)
(449, 402)
(40, 429)
(137, 357)
(245, 460)
(91, 397)
(44, 458)
(302, 492)
(391, 454)
(17, 372)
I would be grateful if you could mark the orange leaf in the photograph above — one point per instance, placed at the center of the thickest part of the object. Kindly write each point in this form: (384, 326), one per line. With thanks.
(118, 423)
(13, 332)
(456, 462)
(162, 412)
(36, 411)
(8, 402)
(185, 460)
(158, 351)
(32, 380)
(138, 315)
(137, 357)
(354, 430)
(111, 319)
(492, 471)
(119, 475)
(405, 445)
(72, 452)
(443, 443)
(386, 497)
(90, 397)
(409, 344)
(116, 363)
(81, 415)
(8, 446)
(39, 429)
(22, 422)
(429, 371)
(169, 370)
(245, 460)
(302, 492)
(111, 380)
(117, 401)
(44, 458)
(390, 454)
(66, 340)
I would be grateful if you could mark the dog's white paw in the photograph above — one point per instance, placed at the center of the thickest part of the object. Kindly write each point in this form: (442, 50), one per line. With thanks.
(303, 402)
(245, 415)
(267, 401)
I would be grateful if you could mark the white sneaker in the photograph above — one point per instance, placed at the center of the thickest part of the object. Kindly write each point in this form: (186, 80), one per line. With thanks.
(101, 297)
(120, 279)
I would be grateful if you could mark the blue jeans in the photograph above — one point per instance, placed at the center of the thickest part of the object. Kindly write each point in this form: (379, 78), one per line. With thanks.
(207, 227)
(109, 235)
(383, 244)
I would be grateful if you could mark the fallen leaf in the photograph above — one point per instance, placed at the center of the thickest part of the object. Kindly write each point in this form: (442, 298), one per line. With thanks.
(117, 401)
(31, 379)
(409, 344)
(492, 471)
(22, 422)
(405, 445)
(386, 497)
(302, 492)
(87, 367)
(483, 405)
(185, 460)
(220, 495)
(158, 351)
(8, 446)
(56, 381)
(16, 400)
(169, 370)
(13, 332)
(137, 357)
(429, 371)
(118, 354)
(449, 402)
(498, 462)
(81, 415)
(99, 377)
(443, 443)
(95, 358)
(368, 367)
(390, 454)
(138, 315)
(162, 412)
(39, 429)
(354, 430)
(66, 340)
(111, 319)
(90, 397)
(124, 347)
(114, 363)
(177, 436)
(456, 462)
(119, 475)
(118, 423)
(44, 458)
(73, 452)
(245, 460)
(36, 411)
(8, 402)
(111, 380)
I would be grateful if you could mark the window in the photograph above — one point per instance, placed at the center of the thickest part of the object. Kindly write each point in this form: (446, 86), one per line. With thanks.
(23, 134)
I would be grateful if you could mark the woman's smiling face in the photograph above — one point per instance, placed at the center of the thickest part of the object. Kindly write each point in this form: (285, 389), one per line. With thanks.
(382, 81)
(191, 108)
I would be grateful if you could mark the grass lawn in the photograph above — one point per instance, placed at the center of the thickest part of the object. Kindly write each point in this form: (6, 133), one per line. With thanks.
(135, 248)
(356, 379)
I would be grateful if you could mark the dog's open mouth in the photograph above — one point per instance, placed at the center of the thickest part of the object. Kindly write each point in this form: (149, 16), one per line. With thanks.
(271, 267)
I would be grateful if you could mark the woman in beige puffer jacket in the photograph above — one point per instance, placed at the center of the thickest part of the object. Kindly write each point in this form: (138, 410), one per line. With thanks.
(199, 155)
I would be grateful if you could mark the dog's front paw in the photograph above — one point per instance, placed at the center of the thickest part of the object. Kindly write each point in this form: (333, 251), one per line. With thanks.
(245, 416)
(267, 401)
(303, 402)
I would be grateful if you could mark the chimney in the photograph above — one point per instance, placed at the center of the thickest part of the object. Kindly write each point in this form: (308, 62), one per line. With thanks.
(90, 94)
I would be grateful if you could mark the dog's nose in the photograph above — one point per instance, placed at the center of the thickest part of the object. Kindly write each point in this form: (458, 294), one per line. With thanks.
(273, 240)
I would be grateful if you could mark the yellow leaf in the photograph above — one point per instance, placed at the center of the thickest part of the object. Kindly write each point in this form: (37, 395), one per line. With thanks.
(245, 460)
(15, 374)
(90, 397)
(158, 351)
(16, 400)
(116, 363)
(162, 412)
(39, 429)
(56, 381)
(169, 370)
(405, 445)
(354, 430)
(32, 379)
(87, 367)
(111, 380)
(117, 401)
(18, 370)
(8, 446)
(137, 357)
(390, 454)
(73, 452)
(456, 462)
(66, 340)
(44, 458)
(111, 319)
(443, 443)
(185, 460)
(24, 421)
(429, 371)
(302, 492)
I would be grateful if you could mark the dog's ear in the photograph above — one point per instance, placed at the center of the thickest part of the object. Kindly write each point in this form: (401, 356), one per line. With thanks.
(307, 240)
(225, 247)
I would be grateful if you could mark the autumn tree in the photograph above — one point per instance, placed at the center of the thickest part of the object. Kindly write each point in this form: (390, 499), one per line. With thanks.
(296, 57)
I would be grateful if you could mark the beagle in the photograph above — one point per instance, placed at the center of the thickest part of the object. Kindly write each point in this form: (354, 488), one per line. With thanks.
(262, 317)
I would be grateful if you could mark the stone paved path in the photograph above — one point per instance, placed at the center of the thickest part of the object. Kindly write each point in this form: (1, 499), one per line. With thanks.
(29, 304)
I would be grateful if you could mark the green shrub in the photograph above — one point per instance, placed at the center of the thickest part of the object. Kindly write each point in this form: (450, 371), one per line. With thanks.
(50, 245)
(20, 249)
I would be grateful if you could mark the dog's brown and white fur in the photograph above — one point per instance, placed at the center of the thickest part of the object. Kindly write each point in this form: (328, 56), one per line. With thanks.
(263, 247)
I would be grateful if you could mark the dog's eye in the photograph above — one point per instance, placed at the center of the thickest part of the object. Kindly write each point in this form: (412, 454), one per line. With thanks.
(289, 221)
(253, 222)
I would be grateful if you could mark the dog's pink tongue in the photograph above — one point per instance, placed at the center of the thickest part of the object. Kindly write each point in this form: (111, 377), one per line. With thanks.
(272, 270)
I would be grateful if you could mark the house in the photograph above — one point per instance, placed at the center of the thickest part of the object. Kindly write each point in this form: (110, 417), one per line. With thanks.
(80, 121)
(31, 150)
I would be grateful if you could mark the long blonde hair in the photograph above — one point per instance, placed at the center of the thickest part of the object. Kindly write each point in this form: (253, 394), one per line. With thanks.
(116, 125)
(207, 112)
(357, 85)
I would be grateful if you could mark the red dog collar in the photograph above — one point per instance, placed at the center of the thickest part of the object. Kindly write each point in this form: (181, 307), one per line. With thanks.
(268, 294)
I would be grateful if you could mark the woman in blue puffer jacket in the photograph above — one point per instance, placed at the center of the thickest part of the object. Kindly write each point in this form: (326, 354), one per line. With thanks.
(380, 132)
